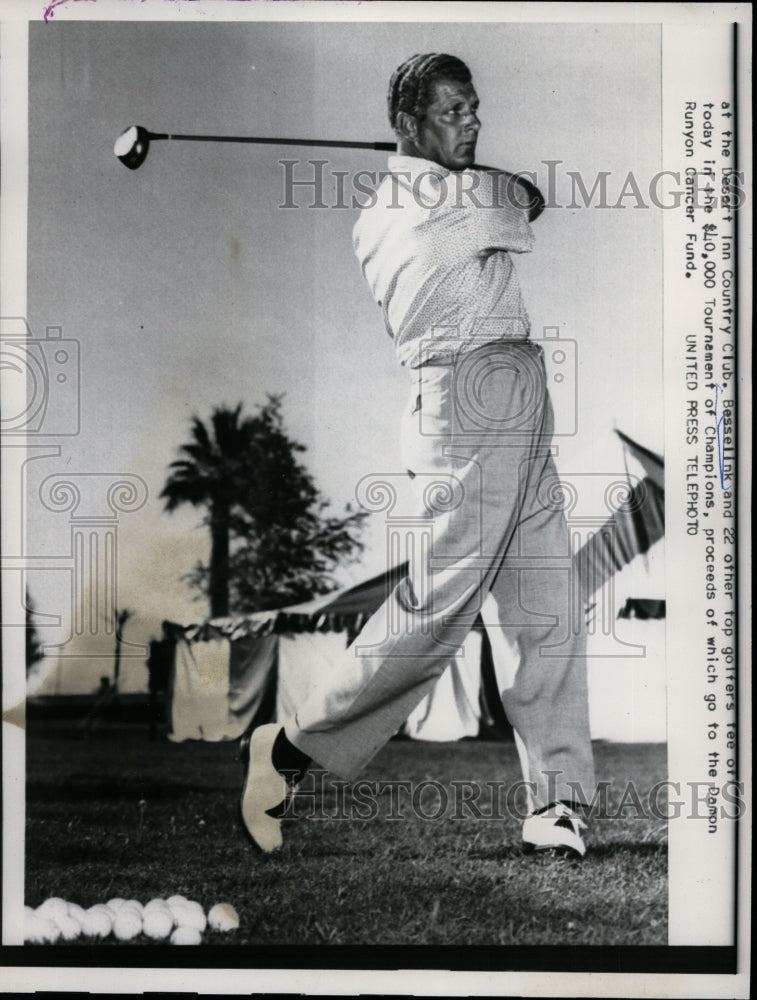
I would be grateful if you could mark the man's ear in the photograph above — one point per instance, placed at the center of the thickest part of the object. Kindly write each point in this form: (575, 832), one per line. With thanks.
(407, 125)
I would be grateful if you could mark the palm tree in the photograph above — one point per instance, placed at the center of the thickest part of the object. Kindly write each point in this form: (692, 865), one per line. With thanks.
(272, 539)
(210, 474)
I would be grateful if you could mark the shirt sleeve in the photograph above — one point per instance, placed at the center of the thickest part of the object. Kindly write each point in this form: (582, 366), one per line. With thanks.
(475, 212)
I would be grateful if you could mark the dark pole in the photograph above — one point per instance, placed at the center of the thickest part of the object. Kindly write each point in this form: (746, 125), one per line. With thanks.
(122, 618)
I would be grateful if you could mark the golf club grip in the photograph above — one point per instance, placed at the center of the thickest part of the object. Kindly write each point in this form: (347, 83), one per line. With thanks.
(336, 143)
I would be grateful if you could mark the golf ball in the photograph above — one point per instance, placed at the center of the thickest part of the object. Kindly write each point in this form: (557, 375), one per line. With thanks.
(223, 917)
(127, 924)
(186, 935)
(40, 930)
(157, 923)
(51, 906)
(157, 906)
(98, 921)
(76, 911)
(69, 926)
(187, 916)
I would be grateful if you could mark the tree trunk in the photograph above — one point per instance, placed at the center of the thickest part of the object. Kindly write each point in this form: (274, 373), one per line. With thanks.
(219, 563)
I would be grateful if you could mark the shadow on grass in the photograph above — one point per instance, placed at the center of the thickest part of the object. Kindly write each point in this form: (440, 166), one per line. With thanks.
(109, 788)
(619, 850)
(76, 854)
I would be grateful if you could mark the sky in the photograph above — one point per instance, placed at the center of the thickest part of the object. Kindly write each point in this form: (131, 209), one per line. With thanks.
(186, 285)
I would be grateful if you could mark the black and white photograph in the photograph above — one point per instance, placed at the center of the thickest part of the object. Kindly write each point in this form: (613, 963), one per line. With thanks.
(371, 588)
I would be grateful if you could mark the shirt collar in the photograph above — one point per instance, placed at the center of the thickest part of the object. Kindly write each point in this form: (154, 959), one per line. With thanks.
(415, 165)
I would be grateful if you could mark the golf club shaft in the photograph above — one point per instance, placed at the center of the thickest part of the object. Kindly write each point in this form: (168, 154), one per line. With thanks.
(336, 143)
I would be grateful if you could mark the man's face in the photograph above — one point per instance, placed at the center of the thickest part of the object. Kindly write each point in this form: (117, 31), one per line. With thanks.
(448, 133)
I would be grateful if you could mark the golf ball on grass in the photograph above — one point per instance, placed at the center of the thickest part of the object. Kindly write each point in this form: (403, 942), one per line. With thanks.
(186, 935)
(39, 930)
(223, 917)
(190, 916)
(157, 923)
(157, 903)
(98, 921)
(187, 913)
(157, 906)
(128, 924)
(76, 911)
(178, 918)
(69, 926)
(52, 906)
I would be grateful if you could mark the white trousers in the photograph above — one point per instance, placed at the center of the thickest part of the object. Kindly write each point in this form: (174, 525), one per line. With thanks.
(477, 437)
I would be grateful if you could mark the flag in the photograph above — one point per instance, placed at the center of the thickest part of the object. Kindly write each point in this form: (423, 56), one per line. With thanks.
(653, 464)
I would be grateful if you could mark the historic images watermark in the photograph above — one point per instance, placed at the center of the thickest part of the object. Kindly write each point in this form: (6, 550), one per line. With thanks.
(42, 409)
(320, 798)
(41, 394)
(316, 184)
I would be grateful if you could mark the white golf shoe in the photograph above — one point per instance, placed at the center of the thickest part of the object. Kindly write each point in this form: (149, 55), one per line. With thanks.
(556, 828)
(264, 791)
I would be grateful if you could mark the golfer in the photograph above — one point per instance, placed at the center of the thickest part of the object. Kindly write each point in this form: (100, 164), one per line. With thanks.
(436, 248)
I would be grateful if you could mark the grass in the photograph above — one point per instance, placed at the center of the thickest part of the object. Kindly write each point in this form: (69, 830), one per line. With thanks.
(123, 816)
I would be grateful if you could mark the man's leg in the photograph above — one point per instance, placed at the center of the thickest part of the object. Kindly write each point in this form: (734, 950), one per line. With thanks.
(546, 696)
(487, 448)
(536, 626)
(405, 646)
(485, 431)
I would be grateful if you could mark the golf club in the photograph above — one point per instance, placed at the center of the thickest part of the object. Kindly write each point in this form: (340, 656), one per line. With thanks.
(132, 146)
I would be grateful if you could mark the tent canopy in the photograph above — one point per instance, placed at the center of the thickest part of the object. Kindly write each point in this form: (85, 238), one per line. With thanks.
(633, 529)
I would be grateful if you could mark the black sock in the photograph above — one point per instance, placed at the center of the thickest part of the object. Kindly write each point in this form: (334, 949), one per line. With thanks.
(288, 760)
(576, 807)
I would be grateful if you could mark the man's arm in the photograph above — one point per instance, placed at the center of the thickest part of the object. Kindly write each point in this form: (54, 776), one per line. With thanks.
(520, 191)
(534, 198)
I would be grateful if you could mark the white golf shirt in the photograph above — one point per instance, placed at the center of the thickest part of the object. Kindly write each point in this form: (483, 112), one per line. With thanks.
(435, 250)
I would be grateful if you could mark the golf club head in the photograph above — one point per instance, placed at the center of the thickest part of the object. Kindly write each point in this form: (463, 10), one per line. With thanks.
(132, 146)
